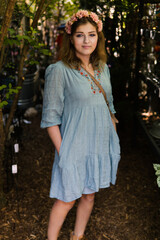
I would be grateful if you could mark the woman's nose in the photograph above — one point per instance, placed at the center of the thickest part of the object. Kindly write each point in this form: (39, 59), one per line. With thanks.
(86, 39)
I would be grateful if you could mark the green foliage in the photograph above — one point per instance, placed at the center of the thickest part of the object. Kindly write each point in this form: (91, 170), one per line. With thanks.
(2, 87)
(60, 10)
(6, 92)
(45, 52)
(57, 10)
(157, 169)
(30, 37)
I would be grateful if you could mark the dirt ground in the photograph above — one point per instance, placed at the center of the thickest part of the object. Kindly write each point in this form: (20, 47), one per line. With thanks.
(130, 210)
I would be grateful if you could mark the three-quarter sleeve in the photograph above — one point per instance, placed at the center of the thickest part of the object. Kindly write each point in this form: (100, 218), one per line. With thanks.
(53, 98)
(110, 97)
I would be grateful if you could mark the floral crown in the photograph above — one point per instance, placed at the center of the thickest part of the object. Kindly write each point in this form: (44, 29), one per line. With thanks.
(80, 14)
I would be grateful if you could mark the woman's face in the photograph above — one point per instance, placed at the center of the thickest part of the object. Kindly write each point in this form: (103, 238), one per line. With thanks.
(85, 40)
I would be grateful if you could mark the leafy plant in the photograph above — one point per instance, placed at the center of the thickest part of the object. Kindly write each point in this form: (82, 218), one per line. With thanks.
(6, 92)
(157, 169)
(22, 47)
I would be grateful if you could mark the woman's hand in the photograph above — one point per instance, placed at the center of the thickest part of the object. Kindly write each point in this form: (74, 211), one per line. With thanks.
(114, 121)
(55, 136)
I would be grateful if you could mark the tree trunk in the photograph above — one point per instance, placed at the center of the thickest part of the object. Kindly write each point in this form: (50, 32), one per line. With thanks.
(2, 144)
(5, 24)
(21, 64)
(2, 56)
(6, 20)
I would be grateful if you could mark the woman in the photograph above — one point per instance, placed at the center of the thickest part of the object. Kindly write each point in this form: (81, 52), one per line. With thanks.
(79, 124)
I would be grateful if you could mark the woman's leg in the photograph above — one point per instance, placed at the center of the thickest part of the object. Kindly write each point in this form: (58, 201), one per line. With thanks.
(84, 210)
(57, 217)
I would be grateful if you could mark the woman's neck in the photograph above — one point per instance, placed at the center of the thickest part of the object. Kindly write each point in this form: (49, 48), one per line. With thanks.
(88, 66)
(85, 61)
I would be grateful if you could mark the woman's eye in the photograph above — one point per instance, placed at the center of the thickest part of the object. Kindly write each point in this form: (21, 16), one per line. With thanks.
(79, 35)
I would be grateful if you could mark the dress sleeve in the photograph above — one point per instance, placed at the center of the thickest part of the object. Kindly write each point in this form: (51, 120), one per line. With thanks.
(110, 98)
(53, 98)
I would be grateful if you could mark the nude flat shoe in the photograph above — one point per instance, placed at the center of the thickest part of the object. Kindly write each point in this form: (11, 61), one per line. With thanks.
(74, 237)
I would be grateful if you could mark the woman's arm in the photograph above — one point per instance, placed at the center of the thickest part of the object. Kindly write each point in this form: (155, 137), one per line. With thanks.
(55, 136)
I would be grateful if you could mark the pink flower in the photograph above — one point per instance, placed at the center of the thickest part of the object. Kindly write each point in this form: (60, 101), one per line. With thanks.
(68, 27)
(100, 26)
(94, 17)
(73, 18)
(80, 14)
(84, 13)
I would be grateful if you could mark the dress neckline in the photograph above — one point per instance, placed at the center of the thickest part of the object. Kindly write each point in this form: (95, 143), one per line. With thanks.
(97, 74)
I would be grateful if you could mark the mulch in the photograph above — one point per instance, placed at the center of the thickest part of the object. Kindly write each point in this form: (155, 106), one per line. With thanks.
(130, 210)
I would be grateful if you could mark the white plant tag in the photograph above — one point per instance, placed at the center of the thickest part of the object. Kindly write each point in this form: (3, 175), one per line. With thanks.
(14, 168)
(16, 147)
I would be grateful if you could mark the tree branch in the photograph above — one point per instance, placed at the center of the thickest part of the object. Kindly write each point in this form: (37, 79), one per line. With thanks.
(21, 64)
(6, 20)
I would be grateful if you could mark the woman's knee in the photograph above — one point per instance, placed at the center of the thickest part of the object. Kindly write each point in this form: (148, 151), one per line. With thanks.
(89, 197)
(67, 205)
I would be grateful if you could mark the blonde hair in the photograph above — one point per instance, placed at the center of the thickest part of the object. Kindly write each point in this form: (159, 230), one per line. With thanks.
(68, 56)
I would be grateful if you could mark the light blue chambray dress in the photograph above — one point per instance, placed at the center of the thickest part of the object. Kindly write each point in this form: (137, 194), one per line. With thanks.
(90, 150)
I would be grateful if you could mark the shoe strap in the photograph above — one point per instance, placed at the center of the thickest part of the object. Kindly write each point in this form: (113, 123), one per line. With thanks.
(74, 237)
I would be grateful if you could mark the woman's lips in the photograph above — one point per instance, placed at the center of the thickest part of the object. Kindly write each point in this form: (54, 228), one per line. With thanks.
(86, 47)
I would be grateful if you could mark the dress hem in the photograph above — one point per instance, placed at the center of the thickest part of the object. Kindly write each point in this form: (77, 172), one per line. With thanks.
(72, 199)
